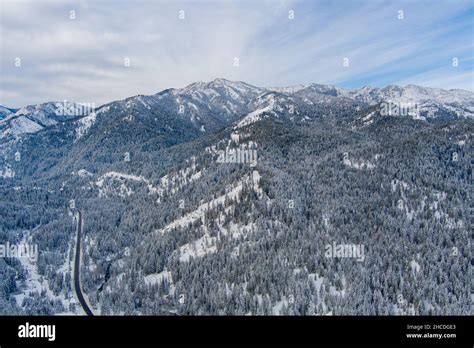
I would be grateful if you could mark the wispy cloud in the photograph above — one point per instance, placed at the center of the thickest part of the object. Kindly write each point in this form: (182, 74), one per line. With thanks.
(83, 59)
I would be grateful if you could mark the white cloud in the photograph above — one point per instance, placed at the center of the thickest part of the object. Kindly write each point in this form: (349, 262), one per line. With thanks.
(83, 59)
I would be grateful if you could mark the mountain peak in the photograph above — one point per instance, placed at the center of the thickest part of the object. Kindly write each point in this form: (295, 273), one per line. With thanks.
(220, 80)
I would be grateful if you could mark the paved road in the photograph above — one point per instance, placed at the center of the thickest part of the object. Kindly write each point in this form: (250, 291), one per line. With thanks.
(77, 267)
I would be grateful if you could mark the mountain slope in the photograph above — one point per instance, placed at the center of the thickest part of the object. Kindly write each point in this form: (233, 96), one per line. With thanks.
(239, 218)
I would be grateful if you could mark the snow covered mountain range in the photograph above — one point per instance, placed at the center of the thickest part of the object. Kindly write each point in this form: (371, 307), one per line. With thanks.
(217, 103)
(225, 198)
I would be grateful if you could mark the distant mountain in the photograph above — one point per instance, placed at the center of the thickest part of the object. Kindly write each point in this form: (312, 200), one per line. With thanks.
(207, 106)
(33, 118)
(225, 99)
(432, 102)
(4, 111)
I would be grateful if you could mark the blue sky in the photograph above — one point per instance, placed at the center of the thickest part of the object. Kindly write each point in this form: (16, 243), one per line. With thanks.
(277, 43)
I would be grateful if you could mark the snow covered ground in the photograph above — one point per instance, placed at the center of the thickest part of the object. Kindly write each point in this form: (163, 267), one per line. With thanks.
(37, 283)
(118, 184)
(199, 212)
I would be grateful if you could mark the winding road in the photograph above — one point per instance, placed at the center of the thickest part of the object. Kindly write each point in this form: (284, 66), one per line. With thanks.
(77, 267)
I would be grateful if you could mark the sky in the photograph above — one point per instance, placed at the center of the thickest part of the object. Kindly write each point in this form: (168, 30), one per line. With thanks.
(103, 50)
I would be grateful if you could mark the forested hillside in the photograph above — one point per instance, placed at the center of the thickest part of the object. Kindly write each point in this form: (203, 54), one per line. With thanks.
(306, 201)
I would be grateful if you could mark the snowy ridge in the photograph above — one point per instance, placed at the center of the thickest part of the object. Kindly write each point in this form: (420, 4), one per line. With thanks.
(254, 116)
(199, 212)
(115, 183)
(264, 105)
(235, 99)
(33, 118)
(428, 100)
(85, 123)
